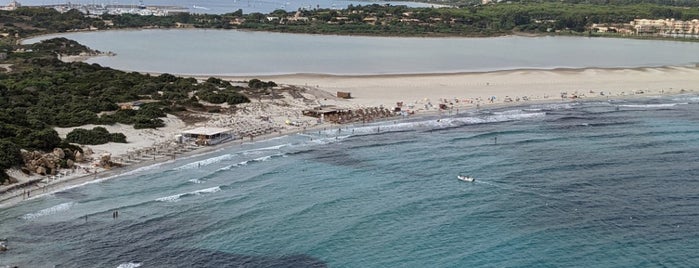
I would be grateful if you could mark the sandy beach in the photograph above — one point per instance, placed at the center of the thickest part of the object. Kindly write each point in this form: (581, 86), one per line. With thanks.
(535, 84)
(420, 93)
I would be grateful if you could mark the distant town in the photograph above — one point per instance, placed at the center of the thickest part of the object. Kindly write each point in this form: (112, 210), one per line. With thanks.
(101, 9)
(663, 27)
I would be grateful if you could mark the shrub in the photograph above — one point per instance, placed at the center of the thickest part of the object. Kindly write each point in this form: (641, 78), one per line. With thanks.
(148, 123)
(97, 135)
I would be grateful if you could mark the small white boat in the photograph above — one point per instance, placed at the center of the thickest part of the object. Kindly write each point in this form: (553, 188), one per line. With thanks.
(465, 178)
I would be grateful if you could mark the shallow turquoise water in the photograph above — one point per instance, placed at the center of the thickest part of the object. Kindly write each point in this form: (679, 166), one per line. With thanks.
(586, 184)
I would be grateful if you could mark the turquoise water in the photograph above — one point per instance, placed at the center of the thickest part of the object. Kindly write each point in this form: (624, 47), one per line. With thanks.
(582, 184)
(221, 52)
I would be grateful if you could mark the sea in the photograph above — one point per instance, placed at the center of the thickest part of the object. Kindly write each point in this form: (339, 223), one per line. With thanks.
(229, 6)
(585, 183)
(606, 182)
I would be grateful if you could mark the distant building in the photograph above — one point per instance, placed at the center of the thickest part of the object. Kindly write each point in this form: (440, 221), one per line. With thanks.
(666, 26)
(183, 25)
(11, 6)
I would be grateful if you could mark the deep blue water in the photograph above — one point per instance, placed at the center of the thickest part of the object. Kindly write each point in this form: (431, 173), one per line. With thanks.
(608, 183)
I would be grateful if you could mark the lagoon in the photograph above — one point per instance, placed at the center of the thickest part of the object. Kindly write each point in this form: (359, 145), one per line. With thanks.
(241, 53)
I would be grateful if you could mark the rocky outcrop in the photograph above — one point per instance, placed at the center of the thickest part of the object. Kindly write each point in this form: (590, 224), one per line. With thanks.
(106, 162)
(59, 153)
(79, 157)
(50, 163)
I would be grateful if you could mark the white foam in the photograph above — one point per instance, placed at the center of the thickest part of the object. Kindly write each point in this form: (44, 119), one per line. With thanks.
(687, 98)
(197, 181)
(206, 162)
(225, 157)
(129, 265)
(176, 197)
(508, 112)
(276, 147)
(502, 117)
(259, 159)
(48, 211)
(663, 105)
(553, 106)
(208, 190)
(145, 168)
(97, 180)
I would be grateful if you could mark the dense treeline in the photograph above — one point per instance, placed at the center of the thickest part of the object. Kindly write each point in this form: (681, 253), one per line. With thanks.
(471, 20)
(30, 20)
(486, 20)
(676, 3)
(462, 3)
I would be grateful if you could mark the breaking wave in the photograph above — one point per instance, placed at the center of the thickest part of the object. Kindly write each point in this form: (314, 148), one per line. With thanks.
(225, 157)
(663, 105)
(49, 211)
(129, 265)
(176, 197)
(259, 159)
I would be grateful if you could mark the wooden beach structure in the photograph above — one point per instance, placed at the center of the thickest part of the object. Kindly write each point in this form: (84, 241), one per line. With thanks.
(341, 116)
(344, 95)
(206, 135)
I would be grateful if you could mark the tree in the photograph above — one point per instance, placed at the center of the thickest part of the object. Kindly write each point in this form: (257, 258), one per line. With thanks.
(45, 140)
(9, 155)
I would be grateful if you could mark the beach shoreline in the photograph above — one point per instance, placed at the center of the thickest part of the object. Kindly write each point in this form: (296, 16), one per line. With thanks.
(423, 94)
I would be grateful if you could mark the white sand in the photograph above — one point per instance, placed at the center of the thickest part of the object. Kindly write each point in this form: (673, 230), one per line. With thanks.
(535, 84)
(136, 138)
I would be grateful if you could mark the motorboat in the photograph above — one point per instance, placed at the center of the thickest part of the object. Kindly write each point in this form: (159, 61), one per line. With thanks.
(465, 178)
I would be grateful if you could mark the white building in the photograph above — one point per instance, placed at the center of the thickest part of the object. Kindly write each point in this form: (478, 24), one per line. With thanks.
(11, 6)
(206, 135)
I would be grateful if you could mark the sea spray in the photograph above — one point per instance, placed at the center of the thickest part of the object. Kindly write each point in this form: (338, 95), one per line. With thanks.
(176, 197)
(129, 265)
(49, 211)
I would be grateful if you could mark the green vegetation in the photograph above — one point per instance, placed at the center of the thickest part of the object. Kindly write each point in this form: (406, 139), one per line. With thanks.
(97, 135)
(257, 84)
(484, 20)
(42, 92)
(217, 91)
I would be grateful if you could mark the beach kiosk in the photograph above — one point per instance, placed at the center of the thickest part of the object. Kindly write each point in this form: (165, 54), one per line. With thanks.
(207, 135)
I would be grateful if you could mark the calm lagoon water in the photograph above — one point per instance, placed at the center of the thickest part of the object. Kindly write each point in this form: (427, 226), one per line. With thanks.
(221, 52)
(582, 184)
